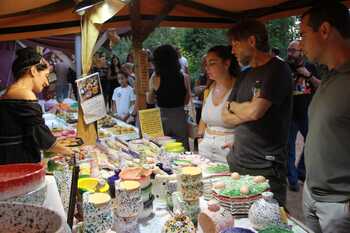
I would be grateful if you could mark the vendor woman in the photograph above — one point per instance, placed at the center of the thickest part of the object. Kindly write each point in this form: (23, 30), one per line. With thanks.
(23, 133)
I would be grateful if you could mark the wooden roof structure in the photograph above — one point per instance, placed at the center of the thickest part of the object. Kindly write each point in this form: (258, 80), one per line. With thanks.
(22, 19)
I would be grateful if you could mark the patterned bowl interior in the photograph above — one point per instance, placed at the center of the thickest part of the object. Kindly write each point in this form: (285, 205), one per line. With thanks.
(236, 230)
(19, 218)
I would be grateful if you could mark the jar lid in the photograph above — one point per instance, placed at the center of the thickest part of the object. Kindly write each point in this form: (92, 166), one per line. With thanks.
(129, 185)
(213, 205)
(99, 199)
(267, 196)
(191, 171)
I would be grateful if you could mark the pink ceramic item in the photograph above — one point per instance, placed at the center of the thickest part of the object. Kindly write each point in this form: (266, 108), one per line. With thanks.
(143, 176)
(214, 218)
(19, 179)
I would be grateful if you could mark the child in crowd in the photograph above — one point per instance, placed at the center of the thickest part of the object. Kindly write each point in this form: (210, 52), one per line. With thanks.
(128, 68)
(124, 99)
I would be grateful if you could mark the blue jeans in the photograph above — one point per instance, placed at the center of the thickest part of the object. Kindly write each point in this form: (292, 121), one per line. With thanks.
(297, 125)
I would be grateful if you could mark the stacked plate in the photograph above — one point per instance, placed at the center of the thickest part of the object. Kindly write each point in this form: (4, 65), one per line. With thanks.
(237, 206)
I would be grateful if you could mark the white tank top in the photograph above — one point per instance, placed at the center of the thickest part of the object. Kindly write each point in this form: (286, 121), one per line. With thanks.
(211, 114)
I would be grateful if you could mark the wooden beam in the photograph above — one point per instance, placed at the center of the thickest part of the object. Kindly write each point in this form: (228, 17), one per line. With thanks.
(136, 27)
(60, 5)
(149, 28)
(206, 8)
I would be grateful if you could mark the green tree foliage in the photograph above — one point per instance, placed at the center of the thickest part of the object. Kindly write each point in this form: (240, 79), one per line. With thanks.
(194, 43)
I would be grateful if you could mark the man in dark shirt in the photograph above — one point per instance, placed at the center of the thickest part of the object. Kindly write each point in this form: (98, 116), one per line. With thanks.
(305, 84)
(325, 32)
(260, 107)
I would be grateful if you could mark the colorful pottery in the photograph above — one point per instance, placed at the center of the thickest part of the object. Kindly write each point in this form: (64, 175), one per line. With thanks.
(189, 208)
(128, 198)
(97, 211)
(126, 225)
(139, 174)
(264, 212)
(236, 230)
(93, 185)
(160, 185)
(179, 224)
(18, 218)
(147, 208)
(64, 179)
(191, 185)
(146, 193)
(36, 197)
(19, 179)
(214, 218)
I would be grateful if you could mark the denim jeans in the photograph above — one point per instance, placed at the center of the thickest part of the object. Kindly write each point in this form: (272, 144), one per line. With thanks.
(297, 125)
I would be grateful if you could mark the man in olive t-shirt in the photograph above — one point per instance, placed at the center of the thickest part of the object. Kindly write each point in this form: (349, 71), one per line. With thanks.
(325, 31)
(260, 107)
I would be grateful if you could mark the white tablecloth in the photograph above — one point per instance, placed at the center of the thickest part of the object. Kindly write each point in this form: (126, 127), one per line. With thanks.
(53, 199)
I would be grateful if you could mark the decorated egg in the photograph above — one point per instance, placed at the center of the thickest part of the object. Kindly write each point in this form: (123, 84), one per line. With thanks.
(219, 185)
(244, 190)
(259, 179)
(235, 176)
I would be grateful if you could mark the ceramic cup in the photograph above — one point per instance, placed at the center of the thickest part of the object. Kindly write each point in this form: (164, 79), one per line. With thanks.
(97, 211)
(128, 198)
(160, 186)
(64, 179)
(191, 192)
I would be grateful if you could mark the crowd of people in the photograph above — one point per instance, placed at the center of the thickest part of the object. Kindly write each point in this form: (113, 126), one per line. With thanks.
(253, 105)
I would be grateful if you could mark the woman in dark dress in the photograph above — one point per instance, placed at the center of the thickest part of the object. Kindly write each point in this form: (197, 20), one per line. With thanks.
(170, 90)
(23, 132)
(114, 69)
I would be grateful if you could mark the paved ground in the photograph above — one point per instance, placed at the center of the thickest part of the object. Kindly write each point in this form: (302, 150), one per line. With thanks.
(294, 199)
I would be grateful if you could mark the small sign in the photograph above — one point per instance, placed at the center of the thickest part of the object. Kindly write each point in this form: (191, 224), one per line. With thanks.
(151, 123)
(91, 98)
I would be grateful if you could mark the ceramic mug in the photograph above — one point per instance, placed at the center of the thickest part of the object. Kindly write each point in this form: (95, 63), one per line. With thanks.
(128, 198)
(191, 192)
(160, 186)
(98, 216)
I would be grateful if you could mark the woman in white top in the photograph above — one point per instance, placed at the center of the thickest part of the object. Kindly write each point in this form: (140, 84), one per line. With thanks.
(217, 137)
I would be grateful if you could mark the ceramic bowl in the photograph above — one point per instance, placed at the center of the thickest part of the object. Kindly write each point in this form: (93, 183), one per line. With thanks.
(36, 197)
(20, 179)
(18, 218)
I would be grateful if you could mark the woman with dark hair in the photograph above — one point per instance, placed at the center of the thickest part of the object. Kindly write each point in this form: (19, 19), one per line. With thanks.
(101, 67)
(171, 91)
(114, 69)
(23, 132)
(217, 137)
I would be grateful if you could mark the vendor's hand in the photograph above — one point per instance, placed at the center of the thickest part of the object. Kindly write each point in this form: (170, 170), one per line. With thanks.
(303, 71)
(66, 151)
(227, 145)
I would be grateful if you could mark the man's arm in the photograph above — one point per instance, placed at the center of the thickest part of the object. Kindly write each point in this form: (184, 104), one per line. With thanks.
(247, 111)
(230, 118)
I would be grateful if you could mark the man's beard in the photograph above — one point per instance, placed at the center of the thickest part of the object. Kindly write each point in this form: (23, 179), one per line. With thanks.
(245, 61)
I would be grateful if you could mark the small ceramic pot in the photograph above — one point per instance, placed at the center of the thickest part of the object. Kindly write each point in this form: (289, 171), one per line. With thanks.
(97, 211)
(179, 224)
(191, 192)
(171, 188)
(147, 208)
(128, 198)
(189, 208)
(264, 212)
(214, 218)
(190, 175)
(146, 193)
(160, 184)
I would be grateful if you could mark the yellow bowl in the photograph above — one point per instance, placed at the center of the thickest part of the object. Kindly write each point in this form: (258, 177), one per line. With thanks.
(172, 145)
(91, 185)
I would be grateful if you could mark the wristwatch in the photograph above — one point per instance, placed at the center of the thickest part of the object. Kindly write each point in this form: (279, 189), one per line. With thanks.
(229, 108)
